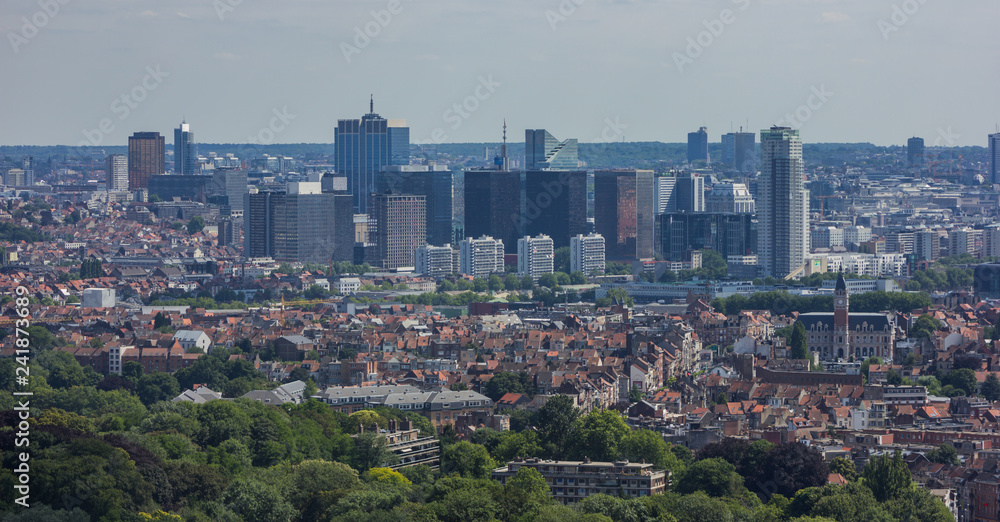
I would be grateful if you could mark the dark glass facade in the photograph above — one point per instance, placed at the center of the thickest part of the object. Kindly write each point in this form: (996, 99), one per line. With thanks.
(304, 228)
(437, 188)
(624, 213)
(146, 158)
(188, 188)
(727, 234)
(493, 206)
(555, 204)
(362, 148)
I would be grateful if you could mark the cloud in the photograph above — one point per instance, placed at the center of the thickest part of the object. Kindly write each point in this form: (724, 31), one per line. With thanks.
(835, 16)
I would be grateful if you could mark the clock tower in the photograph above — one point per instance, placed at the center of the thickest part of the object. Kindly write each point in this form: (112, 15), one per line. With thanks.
(841, 330)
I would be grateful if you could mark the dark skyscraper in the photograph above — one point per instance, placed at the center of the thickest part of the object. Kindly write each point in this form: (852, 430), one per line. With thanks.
(727, 234)
(230, 187)
(185, 151)
(624, 213)
(697, 149)
(435, 183)
(146, 158)
(994, 158)
(689, 192)
(915, 152)
(363, 147)
(492, 206)
(555, 204)
(284, 225)
(739, 149)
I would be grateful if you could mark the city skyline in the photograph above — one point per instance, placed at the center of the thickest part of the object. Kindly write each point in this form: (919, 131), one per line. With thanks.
(212, 77)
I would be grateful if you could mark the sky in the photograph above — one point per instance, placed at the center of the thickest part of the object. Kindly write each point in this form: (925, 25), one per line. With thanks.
(79, 72)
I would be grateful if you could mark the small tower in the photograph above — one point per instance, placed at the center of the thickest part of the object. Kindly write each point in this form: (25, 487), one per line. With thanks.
(841, 320)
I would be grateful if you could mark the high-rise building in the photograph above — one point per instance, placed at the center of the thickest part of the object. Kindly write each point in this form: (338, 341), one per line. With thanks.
(856, 235)
(535, 256)
(185, 151)
(116, 168)
(28, 164)
(229, 188)
(689, 192)
(726, 233)
(586, 254)
(730, 197)
(927, 244)
(481, 257)
(624, 213)
(286, 225)
(543, 151)
(991, 241)
(435, 183)
(493, 205)
(739, 149)
(15, 178)
(363, 147)
(963, 241)
(555, 204)
(146, 158)
(697, 149)
(915, 152)
(665, 197)
(396, 227)
(782, 202)
(995, 158)
(434, 261)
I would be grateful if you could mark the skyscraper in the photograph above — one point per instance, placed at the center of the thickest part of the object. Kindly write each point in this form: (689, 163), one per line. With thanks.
(185, 151)
(434, 261)
(481, 257)
(116, 168)
(697, 149)
(586, 254)
(730, 197)
(543, 151)
(782, 237)
(915, 152)
(492, 205)
(995, 158)
(689, 192)
(146, 158)
(229, 186)
(28, 164)
(664, 197)
(535, 256)
(554, 203)
(285, 225)
(435, 183)
(363, 147)
(739, 149)
(396, 227)
(624, 212)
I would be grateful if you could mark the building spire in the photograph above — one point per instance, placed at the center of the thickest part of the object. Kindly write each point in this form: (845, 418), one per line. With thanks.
(503, 150)
(371, 104)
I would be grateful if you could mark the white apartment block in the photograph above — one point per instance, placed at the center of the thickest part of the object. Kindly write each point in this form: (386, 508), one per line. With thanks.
(962, 241)
(586, 254)
(874, 265)
(857, 235)
(535, 256)
(115, 354)
(434, 261)
(481, 257)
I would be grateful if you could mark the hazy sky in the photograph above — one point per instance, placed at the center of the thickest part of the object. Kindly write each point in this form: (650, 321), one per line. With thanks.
(591, 69)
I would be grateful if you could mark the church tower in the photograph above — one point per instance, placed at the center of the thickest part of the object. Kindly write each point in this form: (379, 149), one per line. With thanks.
(841, 322)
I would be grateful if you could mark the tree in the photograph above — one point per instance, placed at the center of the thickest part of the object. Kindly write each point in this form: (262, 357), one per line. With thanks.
(503, 383)
(620, 297)
(480, 285)
(714, 476)
(560, 259)
(160, 320)
(527, 282)
(511, 282)
(577, 278)
(157, 386)
(548, 280)
(468, 459)
(789, 467)
(799, 343)
(635, 395)
(197, 224)
(845, 467)
(256, 501)
(649, 446)
(924, 326)
(944, 454)
(962, 379)
(371, 451)
(887, 477)
(599, 435)
(991, 388)
(556, 420)
(893, 378)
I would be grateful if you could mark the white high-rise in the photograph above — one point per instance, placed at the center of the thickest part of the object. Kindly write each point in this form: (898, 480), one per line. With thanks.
(782, 202)
(481, 257)
(586, 254)
(116, 168)
(434, 261)
(664, 197)
(535, 256)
